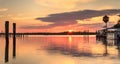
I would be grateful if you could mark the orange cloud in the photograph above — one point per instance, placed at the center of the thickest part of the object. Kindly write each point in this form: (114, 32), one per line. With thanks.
(61, 4)
(105, 7)
(95, 20)
(3, 9)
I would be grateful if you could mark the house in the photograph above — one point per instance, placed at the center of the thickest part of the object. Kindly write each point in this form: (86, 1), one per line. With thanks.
(110, 33)
(113, 33)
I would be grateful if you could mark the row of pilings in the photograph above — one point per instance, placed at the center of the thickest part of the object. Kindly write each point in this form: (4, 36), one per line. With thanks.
(7, 41)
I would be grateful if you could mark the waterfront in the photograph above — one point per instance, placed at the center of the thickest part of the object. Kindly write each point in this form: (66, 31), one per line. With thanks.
(68, 49)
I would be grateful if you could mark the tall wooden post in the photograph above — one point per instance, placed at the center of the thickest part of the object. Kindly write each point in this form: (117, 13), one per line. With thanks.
(106, 20)
(7, 41)
(14, 40)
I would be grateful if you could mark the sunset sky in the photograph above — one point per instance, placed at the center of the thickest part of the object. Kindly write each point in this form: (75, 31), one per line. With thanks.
(58, 15)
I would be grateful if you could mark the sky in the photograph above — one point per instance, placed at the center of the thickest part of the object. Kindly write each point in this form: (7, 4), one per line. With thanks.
(58, 15)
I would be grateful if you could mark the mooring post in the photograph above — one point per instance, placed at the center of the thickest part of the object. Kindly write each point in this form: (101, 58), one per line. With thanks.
(14, 40)
(7, 41)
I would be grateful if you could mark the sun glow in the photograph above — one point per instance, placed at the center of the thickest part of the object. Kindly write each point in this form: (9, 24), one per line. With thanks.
(70, 30)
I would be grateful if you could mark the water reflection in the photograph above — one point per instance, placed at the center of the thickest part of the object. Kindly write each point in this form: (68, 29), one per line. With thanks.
(78, 49)
(105, 43)
(7, 50)
(70, 39)
(81, 46)
(70, 45)
(118, 46)
(111, 44)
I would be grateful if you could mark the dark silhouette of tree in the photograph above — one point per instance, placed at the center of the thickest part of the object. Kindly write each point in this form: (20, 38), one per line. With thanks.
(117, 25)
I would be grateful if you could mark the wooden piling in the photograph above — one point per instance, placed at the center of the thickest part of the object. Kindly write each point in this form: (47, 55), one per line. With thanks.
(14, 40)
(7, 41)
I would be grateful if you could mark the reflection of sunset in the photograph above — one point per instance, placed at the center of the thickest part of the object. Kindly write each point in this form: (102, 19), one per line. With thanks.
(98, 49)
(70, 44)
(70, 39)
(63, 48)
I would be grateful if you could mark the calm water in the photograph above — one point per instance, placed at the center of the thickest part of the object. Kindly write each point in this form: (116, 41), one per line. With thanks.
(61, 50)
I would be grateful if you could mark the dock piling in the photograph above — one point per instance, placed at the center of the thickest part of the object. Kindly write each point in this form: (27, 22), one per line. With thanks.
(14, 40)
(7, 41)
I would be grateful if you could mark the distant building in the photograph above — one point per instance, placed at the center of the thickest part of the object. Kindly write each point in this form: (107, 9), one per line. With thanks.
(111, 32)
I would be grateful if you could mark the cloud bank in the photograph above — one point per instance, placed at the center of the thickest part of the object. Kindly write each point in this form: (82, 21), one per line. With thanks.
(70, 18)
